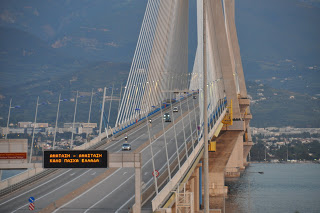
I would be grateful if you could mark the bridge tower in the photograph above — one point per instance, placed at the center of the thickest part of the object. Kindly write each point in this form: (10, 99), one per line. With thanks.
(160, 67)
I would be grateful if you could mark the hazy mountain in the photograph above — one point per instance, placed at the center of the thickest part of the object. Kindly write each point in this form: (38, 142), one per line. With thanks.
(25, 58)
(48, 47)
(95, 30)
(279, 108)
(278, 30)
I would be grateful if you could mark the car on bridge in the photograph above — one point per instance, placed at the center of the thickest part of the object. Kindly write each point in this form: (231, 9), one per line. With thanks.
(166, 117)
(126, 146)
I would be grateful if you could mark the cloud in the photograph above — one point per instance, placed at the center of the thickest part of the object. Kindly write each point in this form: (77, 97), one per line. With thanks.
(8, 17)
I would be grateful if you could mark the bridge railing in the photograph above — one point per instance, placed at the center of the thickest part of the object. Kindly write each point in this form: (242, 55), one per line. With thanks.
(167, 191)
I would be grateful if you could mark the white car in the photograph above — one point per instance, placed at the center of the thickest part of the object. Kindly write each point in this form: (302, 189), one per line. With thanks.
(126, 146)
(175, 109)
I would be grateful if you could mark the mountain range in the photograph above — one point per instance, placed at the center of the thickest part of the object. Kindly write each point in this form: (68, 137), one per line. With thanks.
(51, 47)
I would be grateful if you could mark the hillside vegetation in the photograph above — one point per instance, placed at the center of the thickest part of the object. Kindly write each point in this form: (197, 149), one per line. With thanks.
(50, 47)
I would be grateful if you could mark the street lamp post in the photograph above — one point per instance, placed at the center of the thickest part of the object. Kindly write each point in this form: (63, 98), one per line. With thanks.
(184, 132)
(10, 107)
(56, 126)
(74, 118)
(8, 127)
(152, 157)
(175, 133)
(34, 125)
(89, 113)
(165, 141)
(137, 109)
(191, 133)
(109, 110)
(102, 110)
(205, 117)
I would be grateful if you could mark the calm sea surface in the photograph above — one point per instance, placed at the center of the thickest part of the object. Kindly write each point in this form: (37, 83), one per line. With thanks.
(9, 173)
(282, 188)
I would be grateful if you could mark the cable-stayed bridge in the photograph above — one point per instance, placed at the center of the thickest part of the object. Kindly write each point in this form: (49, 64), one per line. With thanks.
(187, 131)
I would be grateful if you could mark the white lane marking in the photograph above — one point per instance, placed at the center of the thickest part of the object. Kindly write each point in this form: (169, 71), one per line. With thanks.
(108, 194)
(72, 174)
(93, 173)
(112, 173)
(35, 188)
(159, 117)
(160, 137)
(145, 184)
(38, 198)
(99, 184)
(124, 173)
(111, 145)
(86, 191)
(117, 187)
(146, 173)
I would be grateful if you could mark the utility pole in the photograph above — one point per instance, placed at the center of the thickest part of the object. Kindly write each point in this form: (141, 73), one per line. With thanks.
(34, 126)
(265, 153)
(7, 130)
(205, 117)
(74, 119)
(109, 110)
(102, 110)
(89, 114)
(287, 151)
(55, 128)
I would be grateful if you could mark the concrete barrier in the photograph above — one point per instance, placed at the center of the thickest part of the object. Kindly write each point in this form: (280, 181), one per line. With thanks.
(20, 177)
(35, 171)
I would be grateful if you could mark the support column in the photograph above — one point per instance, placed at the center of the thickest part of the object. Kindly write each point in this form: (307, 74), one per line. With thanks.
(216, 183)
(137, 205)
(196, 190)
(235, 162)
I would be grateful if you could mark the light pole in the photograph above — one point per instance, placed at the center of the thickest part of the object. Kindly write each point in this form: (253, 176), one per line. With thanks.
(190, 122)
(109, 110)
(34, 125)
(184, 132)
(56, 126)
(175, 133)
(10, 107)
(205, 117)
(165, 141)
(89, 113)
(102, 110)
(74, 118)
(152, 157)
(137, 109)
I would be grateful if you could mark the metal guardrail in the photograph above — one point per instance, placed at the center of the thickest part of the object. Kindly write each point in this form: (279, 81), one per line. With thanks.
(46, 172)
(25, 182)
(40, 175)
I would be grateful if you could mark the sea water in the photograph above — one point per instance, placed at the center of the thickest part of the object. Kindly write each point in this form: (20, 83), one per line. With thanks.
(284, 187)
